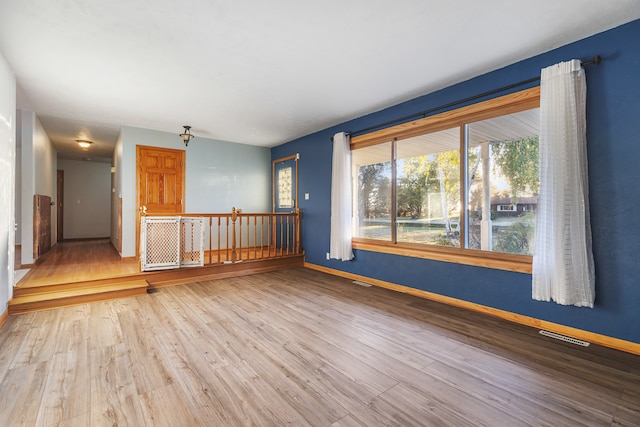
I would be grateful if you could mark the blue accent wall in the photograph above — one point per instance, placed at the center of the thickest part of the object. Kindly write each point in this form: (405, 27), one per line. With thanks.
(613, 133)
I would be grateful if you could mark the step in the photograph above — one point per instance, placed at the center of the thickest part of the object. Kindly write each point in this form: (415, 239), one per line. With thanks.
(57, 287)
(75, 294)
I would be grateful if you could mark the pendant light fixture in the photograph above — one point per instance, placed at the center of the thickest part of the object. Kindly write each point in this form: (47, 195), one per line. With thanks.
(186, 135)
(84, 143)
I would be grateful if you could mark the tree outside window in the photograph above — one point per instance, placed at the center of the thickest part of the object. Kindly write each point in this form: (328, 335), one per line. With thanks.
(501, 155)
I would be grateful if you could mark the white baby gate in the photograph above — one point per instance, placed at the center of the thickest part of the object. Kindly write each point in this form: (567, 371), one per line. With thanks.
(171, 242)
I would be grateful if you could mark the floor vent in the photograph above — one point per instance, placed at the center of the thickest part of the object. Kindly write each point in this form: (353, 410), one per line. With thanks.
(366, 285)
(564, 338)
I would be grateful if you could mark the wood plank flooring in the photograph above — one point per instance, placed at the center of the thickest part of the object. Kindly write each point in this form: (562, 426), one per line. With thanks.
(300, 347)
(85, 271)
(78, 261)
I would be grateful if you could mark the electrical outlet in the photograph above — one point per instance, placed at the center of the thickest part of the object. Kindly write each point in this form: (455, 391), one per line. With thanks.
(328, 257)
(306, 196)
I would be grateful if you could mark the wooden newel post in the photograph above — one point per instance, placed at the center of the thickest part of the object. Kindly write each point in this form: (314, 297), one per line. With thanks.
(297, 248)
(234, 217)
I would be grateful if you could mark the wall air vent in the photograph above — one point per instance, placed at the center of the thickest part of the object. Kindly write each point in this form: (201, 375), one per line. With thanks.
(359, 283)
(564, 338)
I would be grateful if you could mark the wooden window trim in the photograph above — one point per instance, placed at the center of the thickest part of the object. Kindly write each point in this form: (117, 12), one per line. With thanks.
(508, 104)
(475, 257)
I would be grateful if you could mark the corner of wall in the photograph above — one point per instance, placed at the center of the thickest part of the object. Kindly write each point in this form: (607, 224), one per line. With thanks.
(7, 181)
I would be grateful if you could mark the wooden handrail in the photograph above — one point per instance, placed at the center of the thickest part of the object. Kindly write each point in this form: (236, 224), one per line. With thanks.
(238, 236)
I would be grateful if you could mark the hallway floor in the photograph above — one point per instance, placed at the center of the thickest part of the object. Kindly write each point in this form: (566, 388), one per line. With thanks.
(77, 261)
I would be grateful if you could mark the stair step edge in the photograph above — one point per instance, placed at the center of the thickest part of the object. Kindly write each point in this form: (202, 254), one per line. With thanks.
(74, 285)
(48, 304)
(70, 293)
(57, 287)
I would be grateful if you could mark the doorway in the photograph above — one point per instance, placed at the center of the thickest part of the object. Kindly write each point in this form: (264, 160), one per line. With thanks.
(285, 184)
(59, 207)
(160, 182)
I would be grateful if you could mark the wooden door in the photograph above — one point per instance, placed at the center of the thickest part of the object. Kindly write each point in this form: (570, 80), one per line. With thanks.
(41, 225)
(160, 182)
(284, 193)
(119, 237)
(160, 179)
(284, 177)
(60, 208)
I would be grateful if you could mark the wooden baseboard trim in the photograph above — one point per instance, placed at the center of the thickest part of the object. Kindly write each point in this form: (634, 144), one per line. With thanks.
(219, 271)
(82, 239)
(4, 317)
(603, 340)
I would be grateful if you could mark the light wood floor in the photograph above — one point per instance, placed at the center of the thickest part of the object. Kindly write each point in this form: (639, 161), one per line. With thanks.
(299, 347)
(78, 261)
(83, 260)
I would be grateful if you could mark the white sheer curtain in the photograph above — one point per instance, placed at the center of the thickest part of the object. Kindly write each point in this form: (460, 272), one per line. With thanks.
(340, 241)
(563, 269)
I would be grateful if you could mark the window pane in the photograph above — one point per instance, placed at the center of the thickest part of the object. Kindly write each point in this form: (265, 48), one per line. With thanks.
(503, 178)
(428, 188)
(372, 191)
(284, 188)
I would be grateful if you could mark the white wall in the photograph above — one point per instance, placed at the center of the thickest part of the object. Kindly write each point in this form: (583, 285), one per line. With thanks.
(219, 175)
(116, 190)
(27, 188)
(45, 161)
(87, 199)
(18, 185)
(39, 165)
(7, 184)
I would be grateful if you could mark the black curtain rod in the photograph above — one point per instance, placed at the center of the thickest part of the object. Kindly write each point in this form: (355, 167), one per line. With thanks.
(594, 61)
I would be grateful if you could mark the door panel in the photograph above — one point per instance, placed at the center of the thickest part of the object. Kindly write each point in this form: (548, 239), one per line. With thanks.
(60, 208)
(161, 179)
(41, 225)
(285, 184)
(284, 194)
(160, 182)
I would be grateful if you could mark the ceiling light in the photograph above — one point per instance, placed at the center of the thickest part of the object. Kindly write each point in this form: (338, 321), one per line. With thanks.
(84, 143)
(186, 135)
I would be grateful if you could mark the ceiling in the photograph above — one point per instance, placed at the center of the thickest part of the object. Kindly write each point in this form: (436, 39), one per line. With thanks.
(263, 73)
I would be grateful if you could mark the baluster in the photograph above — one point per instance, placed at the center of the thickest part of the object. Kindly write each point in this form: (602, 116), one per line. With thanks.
(255, 236)
(269, 234)
(288, 233)
(234, 217)
(227, 245)
(261, 236)
(297, 222)
(240, 239)
(248, 235)
(219, 229)
(210, 239)
(281, 236)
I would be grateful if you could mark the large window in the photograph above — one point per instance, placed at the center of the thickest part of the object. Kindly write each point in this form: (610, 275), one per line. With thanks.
(373, 200)
(464, 181)
(428, 188)
(503, 182)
